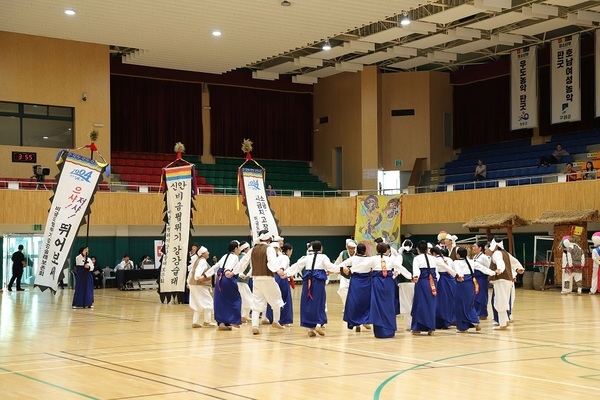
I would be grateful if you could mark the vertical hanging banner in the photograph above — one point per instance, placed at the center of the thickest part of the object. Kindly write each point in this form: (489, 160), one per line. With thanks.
(178, 215)
(255, 199)
(523, 88)
(377, 217)
(78, 180)
(566, 81)
(597, 74)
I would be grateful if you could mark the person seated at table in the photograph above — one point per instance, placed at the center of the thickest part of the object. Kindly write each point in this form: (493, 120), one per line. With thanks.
(146, 260)
(556, 156)
(125, 263)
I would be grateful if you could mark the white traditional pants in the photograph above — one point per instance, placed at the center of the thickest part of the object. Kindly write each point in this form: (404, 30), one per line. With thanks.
(265, 290)
(502, 289)
(407, 293)
(201, 300)
(343, 290)
(594, 287)
(567, 281)
(247, 298)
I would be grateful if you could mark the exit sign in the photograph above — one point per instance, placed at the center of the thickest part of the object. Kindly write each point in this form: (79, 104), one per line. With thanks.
(398, 163)
(37, 227)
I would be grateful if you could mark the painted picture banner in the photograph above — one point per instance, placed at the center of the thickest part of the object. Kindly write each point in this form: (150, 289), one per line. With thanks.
(77, 182)
(178, 199)
(377, 216)
(597, 74)
(523, 88)
(566, 80)
(258, 209)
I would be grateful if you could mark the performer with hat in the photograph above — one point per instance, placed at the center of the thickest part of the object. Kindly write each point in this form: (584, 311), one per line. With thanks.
(500, 263)
(406, 287)
(573, 260)
(265, 289)
(200, 289)
(596, 259)
(450, 245)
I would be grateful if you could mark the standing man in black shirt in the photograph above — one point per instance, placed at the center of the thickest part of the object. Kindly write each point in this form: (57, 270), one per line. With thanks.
(18, 260)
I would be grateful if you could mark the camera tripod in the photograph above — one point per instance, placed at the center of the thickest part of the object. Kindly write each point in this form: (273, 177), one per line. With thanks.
(41, 182)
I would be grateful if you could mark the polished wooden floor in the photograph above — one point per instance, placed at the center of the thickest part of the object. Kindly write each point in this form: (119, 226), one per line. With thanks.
(130, 346)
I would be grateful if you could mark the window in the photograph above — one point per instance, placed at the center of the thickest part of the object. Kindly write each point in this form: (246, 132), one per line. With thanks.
(36, 125)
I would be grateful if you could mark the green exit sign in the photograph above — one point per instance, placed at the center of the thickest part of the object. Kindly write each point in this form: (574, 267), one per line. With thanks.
(37, 227)
(398, 163)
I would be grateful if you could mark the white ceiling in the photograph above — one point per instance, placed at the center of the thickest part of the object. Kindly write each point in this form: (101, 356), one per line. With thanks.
(265, 36)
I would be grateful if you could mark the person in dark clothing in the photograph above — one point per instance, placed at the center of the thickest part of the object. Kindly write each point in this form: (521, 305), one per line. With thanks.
(18, 260)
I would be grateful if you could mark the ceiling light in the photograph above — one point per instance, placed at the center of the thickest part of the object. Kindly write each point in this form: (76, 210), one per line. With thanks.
(286, 3)
(405, 21)
(326, 45)
(216, 33)
(69, 11)
(45, 137)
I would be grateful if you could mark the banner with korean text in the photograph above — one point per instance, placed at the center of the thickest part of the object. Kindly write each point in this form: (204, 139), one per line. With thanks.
(258, 209)
(566, 80)
(523, 88)
(377, 217)
(78, 180)
(597, 66)
(178, 199)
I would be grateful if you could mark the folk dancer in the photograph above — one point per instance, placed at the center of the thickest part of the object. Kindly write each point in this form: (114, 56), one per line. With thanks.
(502, 282)
(573, 260)
(358, 301)
(406, 286)
(244, 284)
(466, 290)
(344, 278)
(450, 245)
(446, 287)
(227, 298)
(383, 292)
(481, 298)
(84, 282)
(287, 311)
(313, 314)
(424, 276)
(265, 290)
(596, 259)
(200, 289)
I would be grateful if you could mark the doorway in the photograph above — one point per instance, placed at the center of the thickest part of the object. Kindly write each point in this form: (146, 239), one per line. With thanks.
(32, 245)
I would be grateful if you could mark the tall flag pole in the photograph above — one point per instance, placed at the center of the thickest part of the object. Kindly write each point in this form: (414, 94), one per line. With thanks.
(77, 181)
(179, 187)
(251, 177)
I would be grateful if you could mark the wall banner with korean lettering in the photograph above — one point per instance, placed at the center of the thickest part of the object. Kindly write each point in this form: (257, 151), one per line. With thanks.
(597, 66)
(566, 81)
(78, 180)
(377, 217)
(258, 209)
(523, 88)
(178, 222)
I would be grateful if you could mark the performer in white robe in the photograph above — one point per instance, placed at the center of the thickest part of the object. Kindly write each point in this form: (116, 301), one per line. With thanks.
(502, 281)
(200, 289)
(406, 286)
(573, 260)
(345, 279)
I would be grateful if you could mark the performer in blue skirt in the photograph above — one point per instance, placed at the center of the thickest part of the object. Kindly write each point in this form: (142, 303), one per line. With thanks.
(481, 298)
(424, 271)
(383, 291)
(446, 285)
(227, 298)
(358, 299)
(466, 288)
(313, 299)
(287, 311)
(84, 281)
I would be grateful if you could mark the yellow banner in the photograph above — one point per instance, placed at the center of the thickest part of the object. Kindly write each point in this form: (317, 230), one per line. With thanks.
(377, 217)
